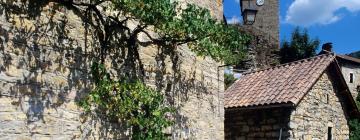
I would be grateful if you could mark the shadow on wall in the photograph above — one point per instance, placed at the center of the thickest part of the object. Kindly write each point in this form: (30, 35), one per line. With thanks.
(263, 49)
(46, 53)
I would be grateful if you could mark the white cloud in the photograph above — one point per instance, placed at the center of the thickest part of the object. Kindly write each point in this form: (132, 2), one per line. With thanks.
(352, 5)
(310, 12)
(237, 1)
(234, 20)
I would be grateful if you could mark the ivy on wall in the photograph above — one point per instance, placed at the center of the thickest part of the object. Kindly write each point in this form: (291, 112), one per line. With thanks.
(192, 25)
(128, 100)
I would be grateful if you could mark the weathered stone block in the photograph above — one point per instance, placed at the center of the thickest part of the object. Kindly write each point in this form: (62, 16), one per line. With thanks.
(45, 69)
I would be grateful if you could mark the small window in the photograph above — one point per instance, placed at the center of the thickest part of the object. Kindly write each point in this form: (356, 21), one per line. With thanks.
(351, 78)
(327, 98)
(329, 133)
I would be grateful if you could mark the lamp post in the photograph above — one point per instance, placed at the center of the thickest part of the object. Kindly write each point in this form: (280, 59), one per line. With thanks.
(248, 11)
(249, 16)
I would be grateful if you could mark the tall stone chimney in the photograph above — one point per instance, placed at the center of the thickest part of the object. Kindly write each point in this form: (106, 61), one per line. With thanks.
(326, 48)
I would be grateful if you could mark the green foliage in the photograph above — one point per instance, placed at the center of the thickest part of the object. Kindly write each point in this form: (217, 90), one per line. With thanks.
(229, 79)
(299, 47)
(355, 54)
(192, 25)
(355, 123)
(175, 24)
(357, 100)
(129, 102)
(354, 129)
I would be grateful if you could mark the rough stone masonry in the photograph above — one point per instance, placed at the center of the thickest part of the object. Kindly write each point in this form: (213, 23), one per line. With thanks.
(320, 110)
(44, 69)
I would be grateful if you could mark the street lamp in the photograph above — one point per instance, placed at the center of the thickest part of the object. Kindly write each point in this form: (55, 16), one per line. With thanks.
(248, 11)
(249, 16)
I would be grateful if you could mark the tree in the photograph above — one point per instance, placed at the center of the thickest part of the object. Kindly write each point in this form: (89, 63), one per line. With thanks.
(299, 47)
(128, 100)
(355, 54)
(229, 79)
(355, 123)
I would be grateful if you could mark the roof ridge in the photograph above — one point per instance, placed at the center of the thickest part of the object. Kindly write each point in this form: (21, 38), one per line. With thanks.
(288, 83)
(290, 63)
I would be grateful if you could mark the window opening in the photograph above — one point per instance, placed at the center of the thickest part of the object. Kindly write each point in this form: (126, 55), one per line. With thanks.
(329, 133)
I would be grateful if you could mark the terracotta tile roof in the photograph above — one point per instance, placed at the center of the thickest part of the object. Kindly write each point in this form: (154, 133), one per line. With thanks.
(349, 58)
(285, 83)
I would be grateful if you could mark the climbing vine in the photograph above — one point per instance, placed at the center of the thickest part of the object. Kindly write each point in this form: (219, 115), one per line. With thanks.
(128, 100)
(194, 26)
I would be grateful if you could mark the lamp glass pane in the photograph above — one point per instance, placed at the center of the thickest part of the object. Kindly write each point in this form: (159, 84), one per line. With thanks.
(250, 17)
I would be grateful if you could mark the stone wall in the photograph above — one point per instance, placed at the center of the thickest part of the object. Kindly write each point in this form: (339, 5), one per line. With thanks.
(321, 108)
(263, 51)
(257, 124)
(44, 70)
(267, 18)
(346, 69)
(215, 7)
(265, 45)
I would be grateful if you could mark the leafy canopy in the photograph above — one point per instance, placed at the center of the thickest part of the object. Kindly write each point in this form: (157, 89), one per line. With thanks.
(354, 129)
(229, 79)
(129, 102)
(355, 54)
(192, 25)
(132, 102)
(299, 47)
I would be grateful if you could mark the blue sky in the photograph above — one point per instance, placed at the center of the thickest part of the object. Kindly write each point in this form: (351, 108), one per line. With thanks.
(336, 21)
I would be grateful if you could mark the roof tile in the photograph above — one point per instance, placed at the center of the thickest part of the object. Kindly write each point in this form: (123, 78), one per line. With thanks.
(285, 83)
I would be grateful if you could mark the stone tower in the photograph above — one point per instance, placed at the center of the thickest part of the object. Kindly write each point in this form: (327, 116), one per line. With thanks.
(267, 17)
(265, 45)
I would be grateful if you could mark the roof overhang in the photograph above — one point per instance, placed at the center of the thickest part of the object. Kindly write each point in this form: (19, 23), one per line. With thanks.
(348, 58)
(280, 105)
(334, 66)
(354, 110)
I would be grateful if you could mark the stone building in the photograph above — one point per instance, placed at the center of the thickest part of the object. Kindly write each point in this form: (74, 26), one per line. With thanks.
(267, 18)
(350, 68)
(45, 59)
(264, 48)
(307, 99)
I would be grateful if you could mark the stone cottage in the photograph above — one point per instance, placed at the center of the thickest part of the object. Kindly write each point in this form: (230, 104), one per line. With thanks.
(307, 99)
(350, 68)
